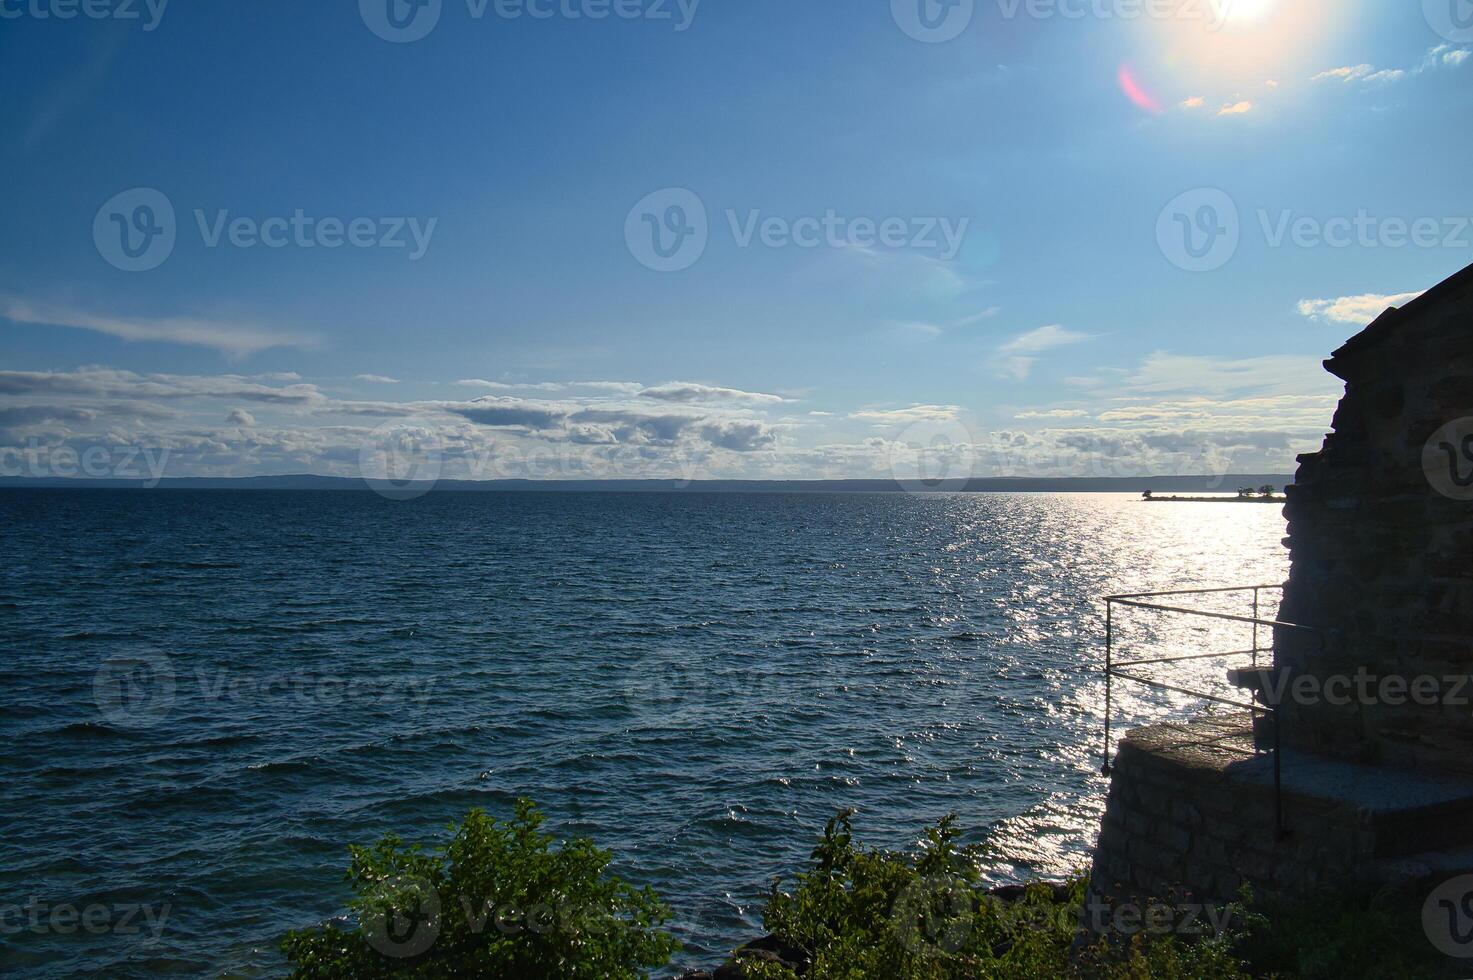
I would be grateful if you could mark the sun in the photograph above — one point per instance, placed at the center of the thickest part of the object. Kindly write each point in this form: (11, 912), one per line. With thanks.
(1244, 11)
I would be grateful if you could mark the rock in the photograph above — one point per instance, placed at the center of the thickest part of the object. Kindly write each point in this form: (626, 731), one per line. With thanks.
(768, 949)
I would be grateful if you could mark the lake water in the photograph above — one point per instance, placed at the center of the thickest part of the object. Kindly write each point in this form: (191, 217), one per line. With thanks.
(210, 694)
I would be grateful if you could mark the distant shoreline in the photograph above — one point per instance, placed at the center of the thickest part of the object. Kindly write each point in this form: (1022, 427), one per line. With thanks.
(1214, 500)
(1131, 485)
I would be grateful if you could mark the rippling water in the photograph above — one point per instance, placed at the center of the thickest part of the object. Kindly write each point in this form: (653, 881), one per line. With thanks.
(211, 693)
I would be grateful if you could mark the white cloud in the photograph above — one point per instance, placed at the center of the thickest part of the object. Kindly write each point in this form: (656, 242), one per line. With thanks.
(1442, 56)
(232, 339)
(1017, 357)
(1222, 377)
(907, 416)
(241, 417)
(1355, 310)
(1236, 109)
(377, 379)
(1054, 413)
(687, 392)
(1195, 102)
(1349, 73)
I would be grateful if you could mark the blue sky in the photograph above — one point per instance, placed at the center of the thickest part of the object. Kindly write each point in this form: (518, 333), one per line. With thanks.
(1033, 308)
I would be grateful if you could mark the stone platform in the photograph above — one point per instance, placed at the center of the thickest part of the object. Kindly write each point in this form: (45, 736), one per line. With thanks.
(1191, 810)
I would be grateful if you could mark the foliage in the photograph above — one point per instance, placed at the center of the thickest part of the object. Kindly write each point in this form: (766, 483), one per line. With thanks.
(923, 916)
(495, 901)
(1342, 935)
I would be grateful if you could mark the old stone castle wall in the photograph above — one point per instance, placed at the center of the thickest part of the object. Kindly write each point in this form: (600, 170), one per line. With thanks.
(1381, 537)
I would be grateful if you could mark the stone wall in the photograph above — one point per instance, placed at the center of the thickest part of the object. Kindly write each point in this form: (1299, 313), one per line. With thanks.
(1184, 817)
(1381, 537)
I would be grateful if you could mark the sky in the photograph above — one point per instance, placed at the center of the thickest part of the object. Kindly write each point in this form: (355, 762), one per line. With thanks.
(561, 239)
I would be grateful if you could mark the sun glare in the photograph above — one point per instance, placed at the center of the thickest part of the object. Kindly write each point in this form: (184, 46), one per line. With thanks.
(1245, 11)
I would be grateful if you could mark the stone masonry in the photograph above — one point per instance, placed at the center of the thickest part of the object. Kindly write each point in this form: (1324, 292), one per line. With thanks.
(1376, 789)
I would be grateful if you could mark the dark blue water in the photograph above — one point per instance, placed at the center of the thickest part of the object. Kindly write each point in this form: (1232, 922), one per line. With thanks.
(209, 694)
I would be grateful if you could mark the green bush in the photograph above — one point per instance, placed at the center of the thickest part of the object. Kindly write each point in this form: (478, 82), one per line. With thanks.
(860, 914)
(496, 901)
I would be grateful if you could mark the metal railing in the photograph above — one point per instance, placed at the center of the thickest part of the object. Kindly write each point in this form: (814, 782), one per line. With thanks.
(1255, 708)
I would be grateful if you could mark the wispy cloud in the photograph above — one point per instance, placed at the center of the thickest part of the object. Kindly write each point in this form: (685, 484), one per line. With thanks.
(1017, 357)
(622, 387)
(1348, 73)
(909, 415)
(1222, 377)
(1053, 413)
(376, 379)
(1236, 109)
(233, 339)
(690, 392)
(1356, 310)
(1195, 102)
(1442, 56)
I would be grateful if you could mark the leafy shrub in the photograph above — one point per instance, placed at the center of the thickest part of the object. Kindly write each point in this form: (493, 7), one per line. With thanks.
(923, 915)
(496, 901)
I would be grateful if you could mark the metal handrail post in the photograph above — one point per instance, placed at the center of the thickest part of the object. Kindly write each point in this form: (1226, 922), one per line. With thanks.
(1255, 627)
(1109, 671)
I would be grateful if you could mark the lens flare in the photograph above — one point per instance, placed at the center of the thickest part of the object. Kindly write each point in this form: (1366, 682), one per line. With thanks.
(1136, 93)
